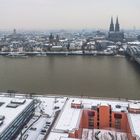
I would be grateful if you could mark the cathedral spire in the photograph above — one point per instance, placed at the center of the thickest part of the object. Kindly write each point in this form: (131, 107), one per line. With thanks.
(117, 26)
(111, 28)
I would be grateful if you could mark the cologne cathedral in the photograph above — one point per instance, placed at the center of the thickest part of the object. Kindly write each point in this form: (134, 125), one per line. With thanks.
(114, 32)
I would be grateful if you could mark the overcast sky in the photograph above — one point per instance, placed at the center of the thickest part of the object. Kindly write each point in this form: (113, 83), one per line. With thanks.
(68, 14)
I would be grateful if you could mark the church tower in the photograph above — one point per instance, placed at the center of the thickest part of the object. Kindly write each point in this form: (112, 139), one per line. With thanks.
(115, 34)
(111, 28)
(117, 25)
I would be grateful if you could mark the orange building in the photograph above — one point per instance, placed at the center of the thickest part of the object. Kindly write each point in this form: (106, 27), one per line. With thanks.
(103, 117)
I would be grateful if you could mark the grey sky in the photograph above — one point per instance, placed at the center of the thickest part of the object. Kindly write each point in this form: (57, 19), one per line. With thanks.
(68, 14)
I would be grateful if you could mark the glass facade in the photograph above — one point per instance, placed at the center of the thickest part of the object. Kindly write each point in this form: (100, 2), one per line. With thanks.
(15, 127)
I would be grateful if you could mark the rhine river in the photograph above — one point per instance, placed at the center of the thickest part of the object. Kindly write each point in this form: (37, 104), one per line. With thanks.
(99, 76)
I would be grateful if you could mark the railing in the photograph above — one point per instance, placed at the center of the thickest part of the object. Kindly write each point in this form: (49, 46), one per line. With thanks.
(61, 95)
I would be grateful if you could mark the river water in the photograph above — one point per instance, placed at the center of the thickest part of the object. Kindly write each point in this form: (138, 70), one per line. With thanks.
(99, 76)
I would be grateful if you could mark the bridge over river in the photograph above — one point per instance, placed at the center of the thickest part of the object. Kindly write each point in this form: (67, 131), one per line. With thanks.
(134, 53)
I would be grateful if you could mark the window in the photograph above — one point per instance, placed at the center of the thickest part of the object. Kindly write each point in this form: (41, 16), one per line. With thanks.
(117, 116)
(118, 123)
(91, 114)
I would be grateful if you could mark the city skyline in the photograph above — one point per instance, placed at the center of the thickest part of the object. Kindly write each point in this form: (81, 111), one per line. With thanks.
(68, 14)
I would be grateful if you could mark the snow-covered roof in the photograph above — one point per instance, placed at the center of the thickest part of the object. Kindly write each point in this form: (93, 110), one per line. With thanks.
(91, 43)
(104, 104)
(134, 106)
(88, 103)
(69, 139)
(68, 119)
(76, 102)
(57, 136)
(112, 46)
(134, 121)
(9, 113)
(135, 42)
(57, 47)
(90, 134)
(121, 49)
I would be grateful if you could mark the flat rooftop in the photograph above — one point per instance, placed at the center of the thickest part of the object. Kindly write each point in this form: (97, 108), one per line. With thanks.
(89, 134)
(134, 120)
(12, 112)
(57, 136)
(68, 119)
(68, 138)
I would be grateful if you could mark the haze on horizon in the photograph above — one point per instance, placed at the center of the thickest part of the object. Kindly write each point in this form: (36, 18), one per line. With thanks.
(68, 14)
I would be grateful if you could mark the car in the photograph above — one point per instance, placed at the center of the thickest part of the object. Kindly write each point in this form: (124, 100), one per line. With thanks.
(46, 127)
(25, 126)
(43, 131)
(48, 122)
(33, 128)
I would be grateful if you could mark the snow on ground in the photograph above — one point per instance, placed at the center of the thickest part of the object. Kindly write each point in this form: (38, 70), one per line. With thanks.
(34, 134)
(46, 108)
(48, 104)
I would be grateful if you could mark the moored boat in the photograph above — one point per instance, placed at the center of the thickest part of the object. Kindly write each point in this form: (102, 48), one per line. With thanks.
(17, 55)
